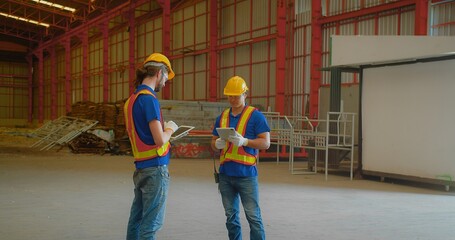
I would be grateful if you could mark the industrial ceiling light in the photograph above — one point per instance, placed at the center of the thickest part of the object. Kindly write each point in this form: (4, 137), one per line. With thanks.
(24, 19)
(55, 5)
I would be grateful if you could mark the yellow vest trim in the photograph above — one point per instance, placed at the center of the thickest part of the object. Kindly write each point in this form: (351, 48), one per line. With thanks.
(141, 151)
(232, 152)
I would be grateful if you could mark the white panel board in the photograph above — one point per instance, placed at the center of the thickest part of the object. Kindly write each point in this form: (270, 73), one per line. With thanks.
(366, 50)
(408, 114)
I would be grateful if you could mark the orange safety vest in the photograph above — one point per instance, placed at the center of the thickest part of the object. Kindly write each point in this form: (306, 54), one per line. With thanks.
(141, 150)
(232, 152)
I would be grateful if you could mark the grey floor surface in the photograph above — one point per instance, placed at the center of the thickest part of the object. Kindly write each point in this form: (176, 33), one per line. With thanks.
(59, 195)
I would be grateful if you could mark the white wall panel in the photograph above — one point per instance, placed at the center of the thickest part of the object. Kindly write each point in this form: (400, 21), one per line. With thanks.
(377, 49)
(408, 119)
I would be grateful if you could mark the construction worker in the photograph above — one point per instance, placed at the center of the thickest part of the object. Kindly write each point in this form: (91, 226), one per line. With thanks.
(238, 175)
(149, 136)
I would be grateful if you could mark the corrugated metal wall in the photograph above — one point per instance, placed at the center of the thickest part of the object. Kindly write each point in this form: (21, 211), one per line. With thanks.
(13, 93)
(246, 47)
(442, 18)
(240, 23)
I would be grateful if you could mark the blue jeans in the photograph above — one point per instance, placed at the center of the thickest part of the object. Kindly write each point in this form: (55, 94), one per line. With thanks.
(234, 189)
(149, 204)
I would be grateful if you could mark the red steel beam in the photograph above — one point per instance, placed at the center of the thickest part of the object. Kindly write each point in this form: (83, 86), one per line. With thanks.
(16, 29)
(40, 85)
(280, 74)
(249, 41)
(13, 86)
(421, 17)
(105, 32)
(85, 62)
(213, 82)
(67, 45)
(46, 9)
(316, 57)
(132, 50)
(29, 59)
(40, 13)
(75, 32)
(166, 5)
(53, 69)
(289, 91)
(13, 76)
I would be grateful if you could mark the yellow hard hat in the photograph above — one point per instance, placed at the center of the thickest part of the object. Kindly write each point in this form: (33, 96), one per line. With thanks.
(235, 86)
(160, 58)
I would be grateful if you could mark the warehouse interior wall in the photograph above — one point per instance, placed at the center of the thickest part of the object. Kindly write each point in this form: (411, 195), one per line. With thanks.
(94, 62)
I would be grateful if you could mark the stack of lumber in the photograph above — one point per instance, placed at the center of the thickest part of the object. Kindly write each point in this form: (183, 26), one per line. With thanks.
(88, 143)
(108, 115)
(84, 110)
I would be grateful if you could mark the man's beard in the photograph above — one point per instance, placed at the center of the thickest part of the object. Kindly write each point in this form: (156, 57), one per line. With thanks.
(159, 86)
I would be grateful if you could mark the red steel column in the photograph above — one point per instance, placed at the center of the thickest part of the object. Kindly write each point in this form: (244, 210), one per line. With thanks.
(166, 5)
(421, 17)
(289, 91)
(316, 61)
(53, 69)
(280, 56)
(30, 88)
(105, 31)
(132, 49)
(67, 44)
(85, 62)
(213, 54)
(39, 55)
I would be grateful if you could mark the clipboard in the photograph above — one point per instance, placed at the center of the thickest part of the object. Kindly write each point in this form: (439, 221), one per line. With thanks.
(225, 133)
(182, 131)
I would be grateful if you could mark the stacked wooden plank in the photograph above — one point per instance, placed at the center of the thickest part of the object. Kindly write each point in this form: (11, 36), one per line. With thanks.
(88, 143)
(84, 110)
(108, 115)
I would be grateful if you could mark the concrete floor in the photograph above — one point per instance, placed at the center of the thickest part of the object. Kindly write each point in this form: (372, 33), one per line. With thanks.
(60, 195)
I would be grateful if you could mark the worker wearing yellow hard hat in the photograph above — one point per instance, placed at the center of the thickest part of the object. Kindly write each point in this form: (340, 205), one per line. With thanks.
(235, 86)
(149, 135)
(238, 174)
(157, 59)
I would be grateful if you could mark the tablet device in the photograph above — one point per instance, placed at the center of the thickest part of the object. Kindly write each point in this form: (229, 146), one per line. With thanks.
(181, 132)
(225, 133)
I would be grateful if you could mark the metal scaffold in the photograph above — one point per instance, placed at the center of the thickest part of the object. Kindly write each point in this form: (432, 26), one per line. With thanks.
(336, 132)
(60, 131)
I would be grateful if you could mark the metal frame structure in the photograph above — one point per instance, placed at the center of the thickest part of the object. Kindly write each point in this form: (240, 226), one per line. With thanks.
(281, 128)
(304, 133)
(98, 16)
(60, 131)
(338, 135)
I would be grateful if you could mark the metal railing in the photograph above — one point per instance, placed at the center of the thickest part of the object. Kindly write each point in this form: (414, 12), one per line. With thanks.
(60, 131)
(335, 132)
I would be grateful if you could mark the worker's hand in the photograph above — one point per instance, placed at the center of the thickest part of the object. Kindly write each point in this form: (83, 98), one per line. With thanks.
(171, 125)
(220, 143)
(238, 140)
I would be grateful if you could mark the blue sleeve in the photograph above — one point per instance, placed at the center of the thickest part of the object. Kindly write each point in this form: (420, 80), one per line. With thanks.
(145, 109)
(151, 108)
(261, 125)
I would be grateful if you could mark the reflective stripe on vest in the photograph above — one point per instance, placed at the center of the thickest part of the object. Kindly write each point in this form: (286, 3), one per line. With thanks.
(141, 150)
(232, 152)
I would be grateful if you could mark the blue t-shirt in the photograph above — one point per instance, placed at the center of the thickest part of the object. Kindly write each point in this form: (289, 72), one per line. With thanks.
(145, 109)
(256, 125)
